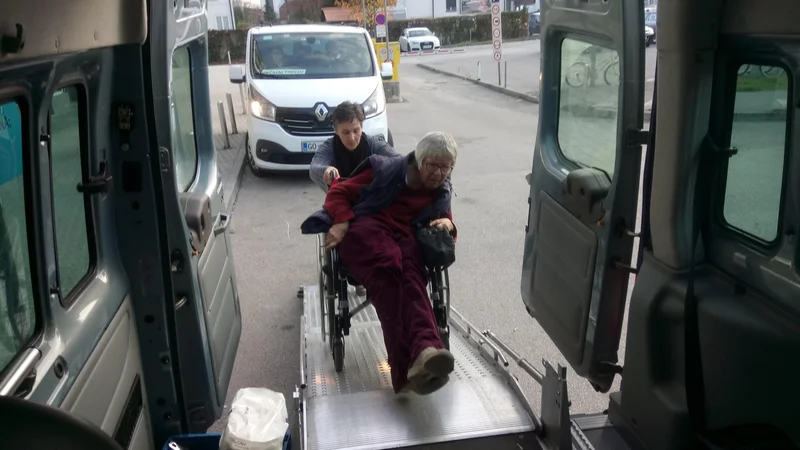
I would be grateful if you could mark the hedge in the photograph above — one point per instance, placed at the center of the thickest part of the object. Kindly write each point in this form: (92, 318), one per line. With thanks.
(454, 30)
(451, 30)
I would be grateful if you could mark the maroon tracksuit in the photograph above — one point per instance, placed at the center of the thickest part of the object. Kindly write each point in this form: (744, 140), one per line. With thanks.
(381, 252)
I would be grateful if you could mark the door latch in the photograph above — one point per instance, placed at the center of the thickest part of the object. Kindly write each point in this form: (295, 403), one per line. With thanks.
(97, 184)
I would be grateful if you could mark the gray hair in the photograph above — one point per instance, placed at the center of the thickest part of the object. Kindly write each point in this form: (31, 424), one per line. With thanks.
(436, 144)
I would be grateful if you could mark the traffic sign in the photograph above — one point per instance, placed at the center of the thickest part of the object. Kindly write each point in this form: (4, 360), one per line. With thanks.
(495, 9)
(497, 44)
(380, 19)
(380, 31)
(496, 33)
(497, 56)
(496, 21)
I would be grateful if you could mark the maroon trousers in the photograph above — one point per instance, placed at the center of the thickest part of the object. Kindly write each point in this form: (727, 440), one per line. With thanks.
(390, 267)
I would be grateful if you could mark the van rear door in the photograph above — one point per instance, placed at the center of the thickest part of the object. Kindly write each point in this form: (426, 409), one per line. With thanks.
(585, 179)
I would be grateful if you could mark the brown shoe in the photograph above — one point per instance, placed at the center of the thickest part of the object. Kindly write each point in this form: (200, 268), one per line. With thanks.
(430, 370)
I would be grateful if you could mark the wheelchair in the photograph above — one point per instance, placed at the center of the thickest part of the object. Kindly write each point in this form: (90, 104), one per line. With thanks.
(334, 300)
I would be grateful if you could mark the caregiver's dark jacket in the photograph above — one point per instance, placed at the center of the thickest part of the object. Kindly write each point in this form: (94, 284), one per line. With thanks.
(389, 178)
(326, 155)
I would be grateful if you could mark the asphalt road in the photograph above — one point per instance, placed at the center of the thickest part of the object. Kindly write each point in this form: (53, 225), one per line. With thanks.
(522, 59)
(496, 135)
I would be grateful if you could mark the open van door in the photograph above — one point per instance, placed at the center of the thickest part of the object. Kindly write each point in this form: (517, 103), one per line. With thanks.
(585, 179)
(207, 317)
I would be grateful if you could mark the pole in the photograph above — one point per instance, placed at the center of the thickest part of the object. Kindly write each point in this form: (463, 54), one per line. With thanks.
(223, 127)
(241, 95)
(505, 75)
(479, 71)
(229, 57)
(498, 74)
(229, 97)
(386, 24)
(363, 13)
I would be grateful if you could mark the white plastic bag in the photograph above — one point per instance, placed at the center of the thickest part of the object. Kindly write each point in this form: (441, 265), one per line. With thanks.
(258, 421)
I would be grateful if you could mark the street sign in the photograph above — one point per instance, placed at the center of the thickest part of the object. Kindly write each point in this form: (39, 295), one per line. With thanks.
(380, 31)
(497, 33)
(380, 19)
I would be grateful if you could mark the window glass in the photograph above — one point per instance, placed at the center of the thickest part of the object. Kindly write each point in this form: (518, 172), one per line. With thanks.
(183, 143)
(17, 310)
(311, 56)
(69, 211)
(755, 173)
(588, 104)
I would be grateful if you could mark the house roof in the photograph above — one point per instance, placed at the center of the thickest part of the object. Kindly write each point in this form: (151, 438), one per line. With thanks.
(336, 14)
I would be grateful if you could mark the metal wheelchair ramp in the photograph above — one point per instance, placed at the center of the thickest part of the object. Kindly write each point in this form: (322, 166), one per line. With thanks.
(357, 408)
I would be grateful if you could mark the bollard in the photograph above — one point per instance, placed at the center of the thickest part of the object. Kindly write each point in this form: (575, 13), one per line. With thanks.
(234, 130)
(241, 94)
(229, 57)
(498, 74)
(479, 71)
(505, 75)
(222, 125)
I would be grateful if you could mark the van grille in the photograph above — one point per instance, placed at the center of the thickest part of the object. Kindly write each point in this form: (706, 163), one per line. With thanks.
(303, 122)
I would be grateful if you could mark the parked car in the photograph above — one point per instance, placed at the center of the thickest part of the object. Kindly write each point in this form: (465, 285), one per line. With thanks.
(649, 36)
(534, 23)
(416, 39)
(295, 75)
(650, 21)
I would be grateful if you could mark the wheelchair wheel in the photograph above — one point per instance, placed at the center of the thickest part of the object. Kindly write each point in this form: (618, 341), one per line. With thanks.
(444, 333)
(338, 353)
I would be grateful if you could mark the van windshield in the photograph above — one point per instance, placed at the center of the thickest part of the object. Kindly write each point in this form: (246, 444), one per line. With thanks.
(311, 56)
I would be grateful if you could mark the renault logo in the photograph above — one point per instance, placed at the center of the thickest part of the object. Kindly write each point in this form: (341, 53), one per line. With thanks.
(321, 111)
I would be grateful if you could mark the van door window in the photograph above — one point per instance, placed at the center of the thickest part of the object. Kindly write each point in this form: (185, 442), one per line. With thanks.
(70, 209)
(183, 143)
(17, 307)
(755, 175)
(588, 105)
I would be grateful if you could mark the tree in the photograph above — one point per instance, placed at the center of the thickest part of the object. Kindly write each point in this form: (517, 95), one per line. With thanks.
(270, 16)
(373, 7)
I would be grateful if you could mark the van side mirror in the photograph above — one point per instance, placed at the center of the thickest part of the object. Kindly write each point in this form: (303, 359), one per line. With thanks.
(387, 71)
(236, 74)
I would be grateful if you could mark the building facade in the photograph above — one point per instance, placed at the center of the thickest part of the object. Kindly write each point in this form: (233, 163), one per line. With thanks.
(220, 15)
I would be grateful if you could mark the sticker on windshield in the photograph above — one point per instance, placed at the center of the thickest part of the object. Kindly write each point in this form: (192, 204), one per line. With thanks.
(266, 38)
(284, 71)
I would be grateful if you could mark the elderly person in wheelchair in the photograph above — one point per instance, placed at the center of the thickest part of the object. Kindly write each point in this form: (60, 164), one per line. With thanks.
(380, 221)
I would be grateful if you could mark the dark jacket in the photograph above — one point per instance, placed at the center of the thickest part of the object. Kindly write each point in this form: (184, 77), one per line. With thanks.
(325, 156)
(389, 178)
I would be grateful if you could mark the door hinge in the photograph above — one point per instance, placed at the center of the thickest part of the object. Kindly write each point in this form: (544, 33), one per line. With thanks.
(716, 151)
(97, 184)
(638, 137)
(625, 267)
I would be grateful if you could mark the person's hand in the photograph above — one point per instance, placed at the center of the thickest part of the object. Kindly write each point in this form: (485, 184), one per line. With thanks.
(443, 224)
(329, 174)
(336, 234)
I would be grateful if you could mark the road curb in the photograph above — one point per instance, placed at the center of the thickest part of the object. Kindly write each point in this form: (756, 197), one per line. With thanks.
(500, 89)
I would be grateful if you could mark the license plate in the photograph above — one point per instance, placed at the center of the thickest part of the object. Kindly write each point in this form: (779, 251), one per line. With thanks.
(310, 146)
(424, 46)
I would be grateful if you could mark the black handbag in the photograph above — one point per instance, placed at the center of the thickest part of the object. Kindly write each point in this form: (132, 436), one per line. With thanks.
(437, 247)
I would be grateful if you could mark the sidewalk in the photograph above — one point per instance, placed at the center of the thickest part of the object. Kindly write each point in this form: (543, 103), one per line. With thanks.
(230, 161)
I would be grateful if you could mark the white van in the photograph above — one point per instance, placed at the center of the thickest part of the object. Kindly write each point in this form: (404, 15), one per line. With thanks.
(295, 76)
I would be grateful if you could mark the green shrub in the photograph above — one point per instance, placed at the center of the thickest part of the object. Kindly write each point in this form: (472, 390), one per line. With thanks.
(454, 30)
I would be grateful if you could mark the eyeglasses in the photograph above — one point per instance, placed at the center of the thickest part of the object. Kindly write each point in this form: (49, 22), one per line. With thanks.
(445, 170)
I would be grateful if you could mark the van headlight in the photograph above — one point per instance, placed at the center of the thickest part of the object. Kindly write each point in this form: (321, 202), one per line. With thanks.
(261, 107)
(376, 103)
